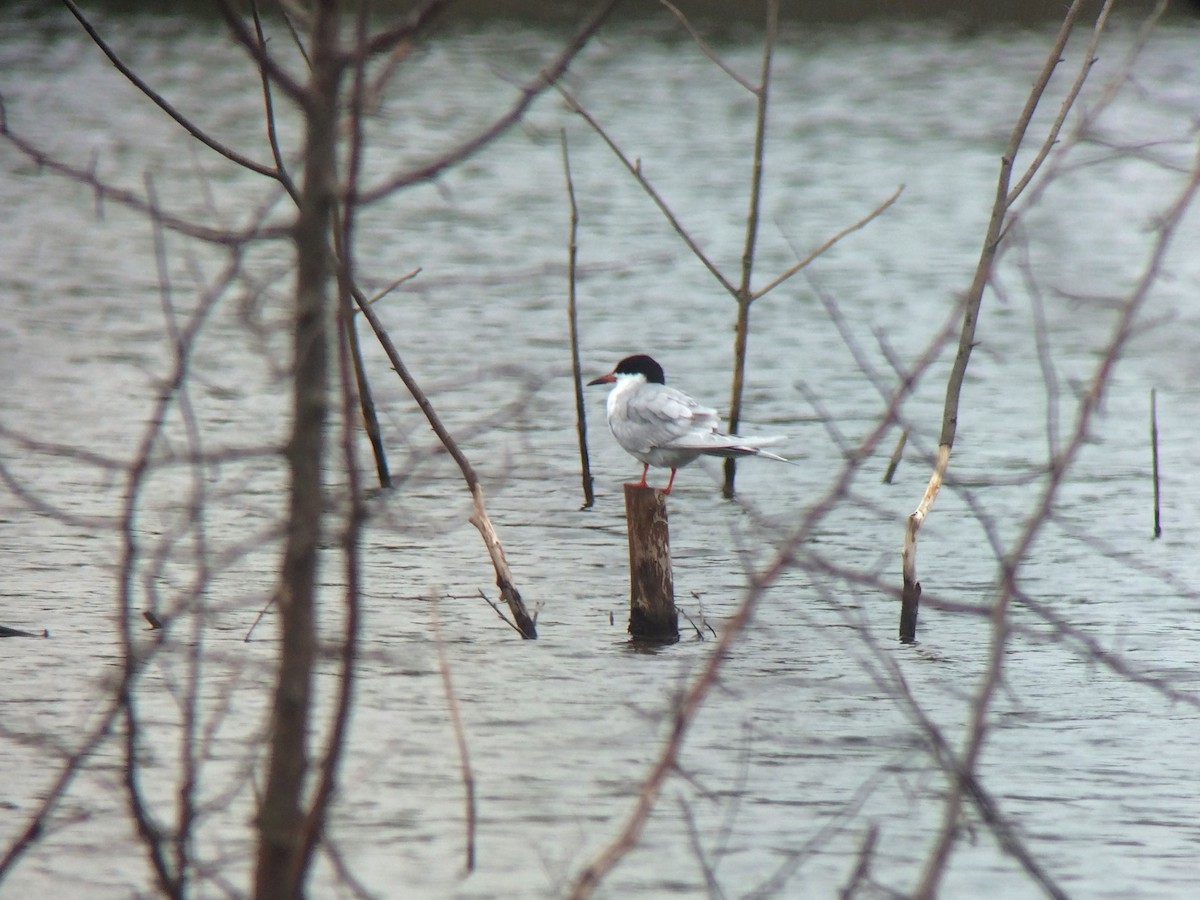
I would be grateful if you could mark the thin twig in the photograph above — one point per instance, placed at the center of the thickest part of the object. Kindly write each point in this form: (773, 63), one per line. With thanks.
(379, 295)
(389, 38)
(507, 621)
(830, 243)
(744, 296)
(971, 308)
(527, 624)
(103, 191)
(635, 169)
(530, 92)
(1065, 107)
(460, 737)
(706, 49)
(39, 823)
(163, 104)
(1154, 458)
(281, 172)
(244, 36)
(261, 613)
(862, 867)
(343, 228)
(894, 462)
(1010, 562)
(585, 472)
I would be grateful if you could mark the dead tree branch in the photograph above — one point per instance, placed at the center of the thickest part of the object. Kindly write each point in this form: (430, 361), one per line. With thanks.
(911, 597)
(530, 92)
(743, 295)
(460, 737)
(573, 327)
(165, 105)
(1011, 562)
(526, 623)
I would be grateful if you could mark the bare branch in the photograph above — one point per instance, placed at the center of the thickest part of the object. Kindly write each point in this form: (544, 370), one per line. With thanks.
(1089, 59)
(707, 50)
(460, 736)
(383, 292)
(224, 237)
(530, 92)
(162, 103)
(244, 36)
(1122, 331)
(971, 308)
(479, 517)
(635, 169)
(573, 327)
(400, 33)
(280, 173)
(744, 296)
(830, 243)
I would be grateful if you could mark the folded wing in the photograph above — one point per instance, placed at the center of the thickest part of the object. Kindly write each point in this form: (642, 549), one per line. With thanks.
(659, 417)
(714, 443)
(665, 418)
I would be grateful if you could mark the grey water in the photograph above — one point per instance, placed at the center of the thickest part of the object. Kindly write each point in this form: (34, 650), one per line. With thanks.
(805, 746)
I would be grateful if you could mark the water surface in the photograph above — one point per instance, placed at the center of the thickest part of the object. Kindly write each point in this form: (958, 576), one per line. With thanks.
(805, 745)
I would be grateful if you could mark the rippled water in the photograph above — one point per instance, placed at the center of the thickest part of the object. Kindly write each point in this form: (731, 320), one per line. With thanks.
(804, 746)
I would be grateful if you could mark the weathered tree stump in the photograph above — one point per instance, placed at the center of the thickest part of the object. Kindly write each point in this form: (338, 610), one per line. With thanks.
(652, 615)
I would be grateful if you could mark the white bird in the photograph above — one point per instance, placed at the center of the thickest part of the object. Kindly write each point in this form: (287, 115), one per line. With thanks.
(664, 427)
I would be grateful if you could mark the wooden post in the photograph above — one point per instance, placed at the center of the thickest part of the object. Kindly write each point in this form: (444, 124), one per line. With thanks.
(652, 614)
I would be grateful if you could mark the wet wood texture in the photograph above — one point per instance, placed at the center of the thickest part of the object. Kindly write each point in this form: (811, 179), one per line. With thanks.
(652, 615)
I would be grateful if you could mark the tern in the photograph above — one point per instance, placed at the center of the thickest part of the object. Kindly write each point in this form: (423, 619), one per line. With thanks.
(664, 427)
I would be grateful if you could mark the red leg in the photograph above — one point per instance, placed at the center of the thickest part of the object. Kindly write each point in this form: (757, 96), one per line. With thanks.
(645, 469)
(669, 483)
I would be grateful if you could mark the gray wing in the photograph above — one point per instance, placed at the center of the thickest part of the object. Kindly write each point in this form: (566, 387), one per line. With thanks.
(660, 417)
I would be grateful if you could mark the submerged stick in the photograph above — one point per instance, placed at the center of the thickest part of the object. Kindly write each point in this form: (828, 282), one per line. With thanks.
(576, 369)
(5, 631)
(1154, 456)
(894, 463)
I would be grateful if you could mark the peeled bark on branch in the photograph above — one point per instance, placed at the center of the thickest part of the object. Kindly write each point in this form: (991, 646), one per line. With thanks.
(911, 593)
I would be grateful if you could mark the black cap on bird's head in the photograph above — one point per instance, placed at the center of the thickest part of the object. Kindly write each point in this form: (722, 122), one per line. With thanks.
(634, 365)
(641, 365)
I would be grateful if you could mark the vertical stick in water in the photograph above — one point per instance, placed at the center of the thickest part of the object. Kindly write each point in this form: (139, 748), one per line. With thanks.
(895, 460)
(1154, 456)
(580, 416)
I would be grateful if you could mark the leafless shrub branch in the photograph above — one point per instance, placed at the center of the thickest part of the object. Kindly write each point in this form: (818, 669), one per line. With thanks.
(997, 226)
(1039, 516)
(530, 92)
